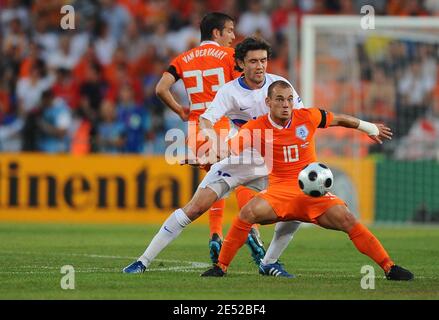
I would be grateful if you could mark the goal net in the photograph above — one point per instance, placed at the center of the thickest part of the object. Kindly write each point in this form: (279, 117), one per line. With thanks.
(386, 74)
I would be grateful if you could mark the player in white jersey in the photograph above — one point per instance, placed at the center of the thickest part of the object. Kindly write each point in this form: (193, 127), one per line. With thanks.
(240, 100)
(240, 103)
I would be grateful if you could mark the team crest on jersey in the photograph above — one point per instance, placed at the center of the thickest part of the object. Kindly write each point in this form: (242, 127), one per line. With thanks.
(302, 132)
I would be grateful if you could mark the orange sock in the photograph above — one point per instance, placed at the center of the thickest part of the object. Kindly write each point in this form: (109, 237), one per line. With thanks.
(243, 196)
(235, 238)
(216, 218)
(369, 245)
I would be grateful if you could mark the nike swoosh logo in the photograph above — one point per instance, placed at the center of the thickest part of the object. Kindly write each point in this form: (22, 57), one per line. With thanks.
(242, 109)
(166, 228)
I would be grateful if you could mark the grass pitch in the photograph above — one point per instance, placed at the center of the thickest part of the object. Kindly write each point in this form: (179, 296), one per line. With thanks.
(326, 264)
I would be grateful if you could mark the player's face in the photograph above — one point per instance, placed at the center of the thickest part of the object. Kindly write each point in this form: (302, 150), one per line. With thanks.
(227, 35)
(255, 65)
(281, 104)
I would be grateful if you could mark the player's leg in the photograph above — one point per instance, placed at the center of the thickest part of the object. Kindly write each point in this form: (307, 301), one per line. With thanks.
(258, 210)
(340, 218)
(173, 226)
(254, 241)
(283, 234)
(216, 212)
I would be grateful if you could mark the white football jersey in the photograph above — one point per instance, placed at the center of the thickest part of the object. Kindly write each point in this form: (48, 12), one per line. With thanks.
(236, 101)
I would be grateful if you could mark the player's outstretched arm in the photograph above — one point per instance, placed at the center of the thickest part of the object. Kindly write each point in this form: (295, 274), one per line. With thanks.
(163, 91)
(376, 131)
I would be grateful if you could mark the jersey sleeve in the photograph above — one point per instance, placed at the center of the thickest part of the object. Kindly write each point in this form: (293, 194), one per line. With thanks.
(320, 118)
(219, 107)
(175, 69)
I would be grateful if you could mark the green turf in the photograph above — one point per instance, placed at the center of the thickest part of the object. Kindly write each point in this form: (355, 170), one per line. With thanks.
(325, 262)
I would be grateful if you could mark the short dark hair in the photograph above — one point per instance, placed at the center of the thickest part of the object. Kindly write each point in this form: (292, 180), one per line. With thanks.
(211, 21)
(250, 44)
(277, 83)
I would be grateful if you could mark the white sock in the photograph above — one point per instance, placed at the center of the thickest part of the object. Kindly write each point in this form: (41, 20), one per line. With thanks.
(169, 230)
(283, 233)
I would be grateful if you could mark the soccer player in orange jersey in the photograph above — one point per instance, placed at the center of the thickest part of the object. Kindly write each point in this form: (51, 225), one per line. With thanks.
(292, 144)
(204, 70)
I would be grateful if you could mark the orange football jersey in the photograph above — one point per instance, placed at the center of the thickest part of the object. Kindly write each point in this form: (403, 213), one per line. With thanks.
(286, 150)
(204, 70)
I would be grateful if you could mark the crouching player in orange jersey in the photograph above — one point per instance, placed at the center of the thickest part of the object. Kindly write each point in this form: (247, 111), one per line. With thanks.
(283, 200)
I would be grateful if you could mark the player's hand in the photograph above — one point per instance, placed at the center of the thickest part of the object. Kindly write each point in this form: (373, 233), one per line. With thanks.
(190, 162)
(184, 113)
(196, 163)
(384, 133)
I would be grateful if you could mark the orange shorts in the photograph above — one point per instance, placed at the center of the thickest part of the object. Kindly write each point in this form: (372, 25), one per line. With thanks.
(194, 128)
(290, 203)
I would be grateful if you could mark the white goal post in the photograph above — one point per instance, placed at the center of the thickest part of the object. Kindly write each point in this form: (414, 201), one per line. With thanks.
(384, 25)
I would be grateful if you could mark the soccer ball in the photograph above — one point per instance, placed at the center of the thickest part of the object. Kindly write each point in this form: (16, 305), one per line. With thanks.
(315, 179)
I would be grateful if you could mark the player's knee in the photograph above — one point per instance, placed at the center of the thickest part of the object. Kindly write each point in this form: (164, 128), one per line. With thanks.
(248, 214)
(347, 221)
(194, 209)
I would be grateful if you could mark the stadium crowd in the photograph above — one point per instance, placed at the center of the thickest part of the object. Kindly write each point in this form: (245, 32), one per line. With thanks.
(91, 89)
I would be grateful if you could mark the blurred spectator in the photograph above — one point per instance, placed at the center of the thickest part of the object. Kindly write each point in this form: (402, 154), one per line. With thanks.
(378, 5)
(110, 133)
(92, 92)
(396, 59)
(406, 8)
(116, 17)
(63, 57)
(255, 20)
(432, 6)
(30, 89)
(34, 54)
(86, 62)
(416, 91)
(14, 10)
(135, 119)
(66, 88)
(380, 98)
(54, 124)
(422, 141)
(281, 13)
(16, 39)
(10, 133)
(133, 43)
(161, 39)
(43, 36)
(346, 7)
(187, 37)
(10, 124)
(105, 44)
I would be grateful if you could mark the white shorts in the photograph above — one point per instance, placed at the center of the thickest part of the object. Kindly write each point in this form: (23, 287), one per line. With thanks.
(224, 176)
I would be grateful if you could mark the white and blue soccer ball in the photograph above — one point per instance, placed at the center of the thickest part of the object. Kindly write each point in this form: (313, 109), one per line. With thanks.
(316, 179)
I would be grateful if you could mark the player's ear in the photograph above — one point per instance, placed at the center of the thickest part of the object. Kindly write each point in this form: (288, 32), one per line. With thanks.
(216, 33)
(240, 64)
(267, 101)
